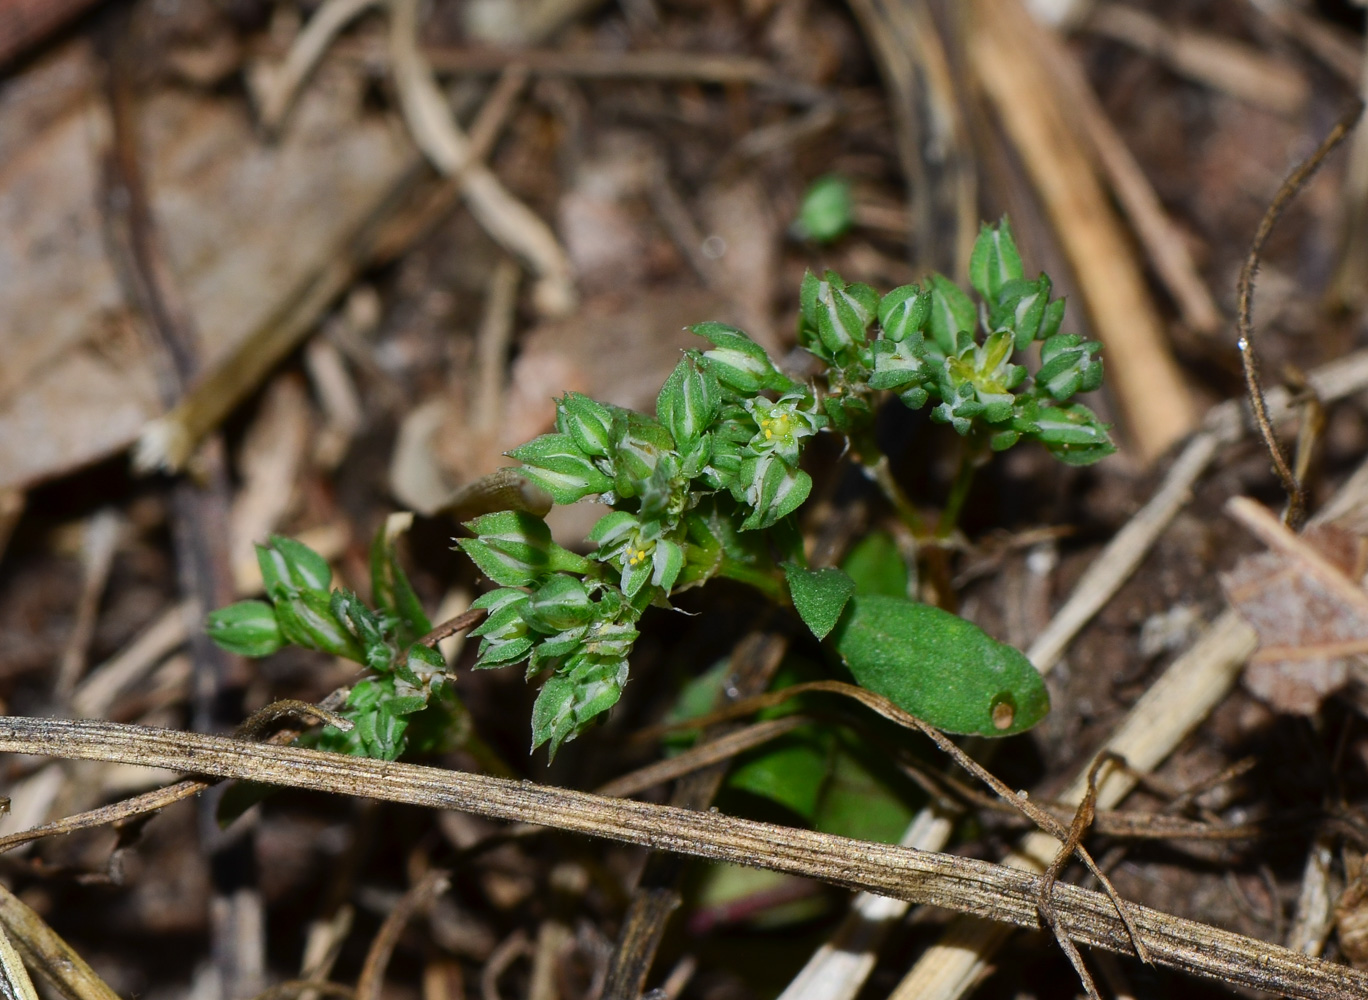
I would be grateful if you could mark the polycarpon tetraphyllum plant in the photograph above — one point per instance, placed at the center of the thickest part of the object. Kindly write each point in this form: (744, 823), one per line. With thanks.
(709, 486)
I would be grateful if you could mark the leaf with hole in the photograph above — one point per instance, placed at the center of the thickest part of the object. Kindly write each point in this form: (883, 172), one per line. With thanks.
(939, 667)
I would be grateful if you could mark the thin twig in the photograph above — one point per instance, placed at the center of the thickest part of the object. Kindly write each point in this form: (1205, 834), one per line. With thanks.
(1296, 491)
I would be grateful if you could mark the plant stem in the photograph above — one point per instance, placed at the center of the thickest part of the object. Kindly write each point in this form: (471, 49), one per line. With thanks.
(767, 583)
(972, 454)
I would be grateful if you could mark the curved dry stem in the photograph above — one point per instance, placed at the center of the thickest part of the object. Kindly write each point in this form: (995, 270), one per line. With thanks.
(1296, 492)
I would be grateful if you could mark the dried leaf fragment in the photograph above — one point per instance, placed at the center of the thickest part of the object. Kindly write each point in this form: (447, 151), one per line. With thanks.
(1304, 600)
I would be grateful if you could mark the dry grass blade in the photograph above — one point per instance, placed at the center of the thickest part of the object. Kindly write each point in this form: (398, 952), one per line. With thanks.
(15, 983)
(277, 89)
(1010, 61)
(511, 223)
(969, 886)
(47, 953)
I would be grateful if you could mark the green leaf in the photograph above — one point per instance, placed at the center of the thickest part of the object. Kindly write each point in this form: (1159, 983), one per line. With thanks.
(819, 596)
(939, 667)
(1073, 434)
(790, 771)
(247, 628)
(860, 798)
(827, 209)
(555, 463)
(288, 567)
(390, 587)
(952, 316)
(562, 602)
(994, 261)
(876, 566)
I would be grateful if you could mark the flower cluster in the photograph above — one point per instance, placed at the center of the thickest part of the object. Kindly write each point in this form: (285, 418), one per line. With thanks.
(718, 458)
(407, 676)
(934, 344)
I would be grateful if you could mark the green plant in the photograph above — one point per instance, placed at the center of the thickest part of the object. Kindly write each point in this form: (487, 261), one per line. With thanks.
(827, 210)
(708, 487)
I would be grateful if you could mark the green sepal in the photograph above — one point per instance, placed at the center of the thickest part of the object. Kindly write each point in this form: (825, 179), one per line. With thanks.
(366, 626)
(247, 628)
(775, 491)
(739, 363)
(288, 567)
(953, 317)
(688, 402)
(568, 701)
(666, 563)
(588, 422)
(819, 596)
(1068, 365)
(904, 312)
(511, 547)
(307, 619)
(556, 464)
(844, 313)
(639, 445)
(562, 602)
(994, 261)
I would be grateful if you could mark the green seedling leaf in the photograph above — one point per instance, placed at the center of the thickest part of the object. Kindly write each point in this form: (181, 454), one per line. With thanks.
(819, 596)
(876, 566)
(247, 628)
(390, 587)
(939, 667)
(827, 209)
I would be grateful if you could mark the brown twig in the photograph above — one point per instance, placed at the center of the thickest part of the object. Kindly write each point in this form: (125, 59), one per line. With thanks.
(962, 884)
(1291, 187)
(417, 899)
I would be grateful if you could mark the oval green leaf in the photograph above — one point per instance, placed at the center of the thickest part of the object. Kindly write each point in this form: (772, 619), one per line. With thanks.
(939, 667)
